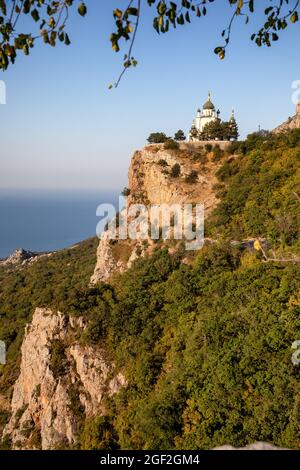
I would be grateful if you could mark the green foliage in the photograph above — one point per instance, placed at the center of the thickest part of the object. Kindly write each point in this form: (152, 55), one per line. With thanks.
(48, 282)
(262, 185)
(205, 347)
(192, 177)
(49, 22)
(51, 19)
(175, 171)
(98, 434)
(179, 135)
(217, 153)
(220, 130)
(171, 144)
(58, 361)
(162, 162)
(157, 138)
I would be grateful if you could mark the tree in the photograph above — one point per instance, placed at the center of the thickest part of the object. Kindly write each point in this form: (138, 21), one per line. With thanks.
(51, 18)
(175, 170)
(179, 135)
(218, 130)
(213, 131)
(194, 134)
(233, 130)
(157, 138)
(192, 177)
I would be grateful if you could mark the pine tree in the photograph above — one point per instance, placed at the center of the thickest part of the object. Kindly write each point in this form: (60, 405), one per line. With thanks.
(233, 129)
(179, 135)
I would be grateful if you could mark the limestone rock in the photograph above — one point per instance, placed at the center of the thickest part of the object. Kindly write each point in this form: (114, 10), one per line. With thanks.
(47, 408)
(149, 182)
(18, 256)
(291, 123)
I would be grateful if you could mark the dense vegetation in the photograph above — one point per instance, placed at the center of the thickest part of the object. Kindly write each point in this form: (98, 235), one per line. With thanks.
(205, 347)
(36, 285)
(260, 191)
(217, 130)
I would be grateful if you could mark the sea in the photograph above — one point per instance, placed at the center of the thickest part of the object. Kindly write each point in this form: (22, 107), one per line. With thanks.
(43, 221)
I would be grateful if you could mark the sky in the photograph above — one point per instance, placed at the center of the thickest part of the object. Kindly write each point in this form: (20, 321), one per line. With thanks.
(62, 128)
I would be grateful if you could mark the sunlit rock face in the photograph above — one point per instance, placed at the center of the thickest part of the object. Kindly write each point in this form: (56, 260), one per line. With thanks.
(47, 405)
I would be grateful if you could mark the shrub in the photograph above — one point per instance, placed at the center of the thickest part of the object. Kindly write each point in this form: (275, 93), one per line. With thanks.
(126, 192)
(171, 145)
(192, 177)
(179, 135)
(98, 434)
(234, 147)
(208, 147)
(175, 170)
(157, 138)
(58, 363)
(162, 162)
(217, 153)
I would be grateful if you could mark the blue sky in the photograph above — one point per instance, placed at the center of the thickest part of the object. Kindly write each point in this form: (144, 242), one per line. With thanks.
(63, 129)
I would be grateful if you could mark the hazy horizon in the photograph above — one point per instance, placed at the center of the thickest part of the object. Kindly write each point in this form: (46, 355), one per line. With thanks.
(63, 129)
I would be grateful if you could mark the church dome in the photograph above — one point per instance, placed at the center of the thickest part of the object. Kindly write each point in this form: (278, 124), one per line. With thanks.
(208, 104)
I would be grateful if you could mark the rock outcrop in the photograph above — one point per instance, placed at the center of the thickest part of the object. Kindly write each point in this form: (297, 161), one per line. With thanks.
(150, 182)
(19, 256)
(60, 383)
(291, 123)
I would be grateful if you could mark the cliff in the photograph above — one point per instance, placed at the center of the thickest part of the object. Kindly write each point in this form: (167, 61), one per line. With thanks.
(150, 182)
(60, 383)
(290, 124)
(200, 367)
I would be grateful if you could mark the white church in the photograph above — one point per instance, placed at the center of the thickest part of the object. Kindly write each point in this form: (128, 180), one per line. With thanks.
(205, 116)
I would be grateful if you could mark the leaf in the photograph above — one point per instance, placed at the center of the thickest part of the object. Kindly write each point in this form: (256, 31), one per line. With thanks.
(117, 13)
(222, 54)
(82, 9)
(294, 17)
(67, 40)
(35, 15)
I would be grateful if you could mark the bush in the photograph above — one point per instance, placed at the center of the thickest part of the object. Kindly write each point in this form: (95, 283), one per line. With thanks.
(58, 362)
(179, 135)
(208, 147)
(157, 138)
(126, 192)
(234, 147)
(175, 170)
(192, 177)
(171, 145)
(162, 162)
(98, 434)
(217, 153)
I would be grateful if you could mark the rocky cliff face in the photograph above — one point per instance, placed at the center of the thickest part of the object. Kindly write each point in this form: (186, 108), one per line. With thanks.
(150, 182)
(60, 383)
(291, 123)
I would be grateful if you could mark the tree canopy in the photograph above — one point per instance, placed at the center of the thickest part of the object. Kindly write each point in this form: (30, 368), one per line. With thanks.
(51, 19)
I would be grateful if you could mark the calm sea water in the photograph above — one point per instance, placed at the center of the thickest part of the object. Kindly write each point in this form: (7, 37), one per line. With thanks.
(46, 220)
